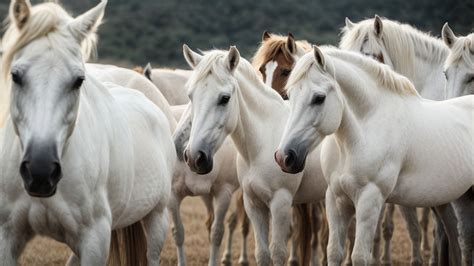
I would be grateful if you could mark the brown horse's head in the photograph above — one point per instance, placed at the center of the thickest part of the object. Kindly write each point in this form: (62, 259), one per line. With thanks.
(275, 59)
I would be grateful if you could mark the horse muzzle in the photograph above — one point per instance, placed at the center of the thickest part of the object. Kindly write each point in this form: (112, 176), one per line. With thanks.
(40, 170)
(290, 160)
(199, 162)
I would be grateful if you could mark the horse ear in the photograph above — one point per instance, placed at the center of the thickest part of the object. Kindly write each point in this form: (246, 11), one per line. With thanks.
(20, 11)
(233, 58)
(265, 36)
(191, 57)
(318, 55)
(147, 71)
(378, 26)
(87, 23)
(290, 43)
(349, 24)
(448, 35)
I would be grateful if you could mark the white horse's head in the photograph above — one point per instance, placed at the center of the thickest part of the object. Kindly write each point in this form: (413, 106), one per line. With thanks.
(459, 67)
(366, 37)
(44, 62)
(212, 89)
(316, 110)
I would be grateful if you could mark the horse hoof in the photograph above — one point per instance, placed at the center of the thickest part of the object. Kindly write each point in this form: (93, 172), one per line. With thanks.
(244, 262)
(293, 263)
(226, 260)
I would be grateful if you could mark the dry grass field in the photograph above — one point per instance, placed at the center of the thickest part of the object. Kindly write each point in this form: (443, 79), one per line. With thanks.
(43, 251)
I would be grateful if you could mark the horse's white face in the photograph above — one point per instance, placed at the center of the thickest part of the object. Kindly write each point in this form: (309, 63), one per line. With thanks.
(47, 75)
(460, 72)
(371, 44)
(214, 108)
(316, 111)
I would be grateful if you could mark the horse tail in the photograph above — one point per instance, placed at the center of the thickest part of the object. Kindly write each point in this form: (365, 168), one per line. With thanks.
(304, 232)
(128, 246)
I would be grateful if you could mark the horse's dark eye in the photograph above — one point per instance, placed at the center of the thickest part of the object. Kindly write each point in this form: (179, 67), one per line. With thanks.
(285, 72)
(224, 100)
(78, 82)
(318, 99)
(16, 78)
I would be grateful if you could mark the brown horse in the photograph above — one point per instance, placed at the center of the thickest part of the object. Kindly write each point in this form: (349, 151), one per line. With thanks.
(275, 58)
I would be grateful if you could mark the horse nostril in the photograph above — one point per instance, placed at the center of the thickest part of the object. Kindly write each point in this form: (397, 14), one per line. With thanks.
(290, 158)
(25, 171)
(56, 172)
(200, 158)
(185, 154)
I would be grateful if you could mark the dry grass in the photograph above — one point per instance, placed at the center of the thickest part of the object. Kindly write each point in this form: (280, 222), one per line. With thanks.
(44, 251)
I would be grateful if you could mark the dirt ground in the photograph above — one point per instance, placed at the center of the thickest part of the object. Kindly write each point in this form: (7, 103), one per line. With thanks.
(44, 251)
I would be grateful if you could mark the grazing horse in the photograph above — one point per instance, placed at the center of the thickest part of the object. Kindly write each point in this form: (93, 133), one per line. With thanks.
(343, 99)
(459, 66)
(274, 60)
(170, 82)
(62, 173)
(229, 99)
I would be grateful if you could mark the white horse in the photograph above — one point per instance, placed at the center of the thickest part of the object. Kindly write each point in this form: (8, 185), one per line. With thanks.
(459, 66)
(216, 188)
(61, 173)
(170, 82)
(228, 98)
(420, 58)
(382, 142)
(410, 52)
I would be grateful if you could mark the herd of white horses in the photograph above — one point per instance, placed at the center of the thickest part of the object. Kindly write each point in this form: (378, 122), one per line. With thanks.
(95, 156)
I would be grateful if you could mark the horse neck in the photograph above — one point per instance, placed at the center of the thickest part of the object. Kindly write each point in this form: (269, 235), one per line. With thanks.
(261, 110)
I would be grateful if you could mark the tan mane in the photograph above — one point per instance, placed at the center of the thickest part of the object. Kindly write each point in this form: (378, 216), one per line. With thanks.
(271, 47)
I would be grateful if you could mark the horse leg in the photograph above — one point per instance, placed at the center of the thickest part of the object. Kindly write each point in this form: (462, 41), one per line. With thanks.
(448, 219)
(280, 208)
(222, 202)
(293, 260)
(350, 241)
(424, 222)
(231, 225)
(464, 207)
(438, 235)
(13, 241)
(324, 235)
(245, 223)
(95, 243)
(156, 228)
(317, 213)
(339, 214)
(414, 230)
(258, 214)
(178, 228)
(207, 199)
(375, 260)
(368, 208)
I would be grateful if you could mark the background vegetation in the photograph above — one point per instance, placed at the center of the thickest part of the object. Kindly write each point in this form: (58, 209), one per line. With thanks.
(138, 31)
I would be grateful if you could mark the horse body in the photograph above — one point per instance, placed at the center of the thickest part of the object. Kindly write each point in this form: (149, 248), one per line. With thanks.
(254, 121)
(81, 159)
(170, 82)
(371, 159)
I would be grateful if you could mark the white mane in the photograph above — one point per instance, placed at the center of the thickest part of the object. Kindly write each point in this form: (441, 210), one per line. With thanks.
(213, 62)
(402, 42)
(381, 73)
(46, 20)
(463, 49)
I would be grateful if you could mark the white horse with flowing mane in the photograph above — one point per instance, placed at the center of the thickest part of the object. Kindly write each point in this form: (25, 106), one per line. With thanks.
(61, 174)
(410, 52)
(459, 66)
(382, 142)
(228, 98)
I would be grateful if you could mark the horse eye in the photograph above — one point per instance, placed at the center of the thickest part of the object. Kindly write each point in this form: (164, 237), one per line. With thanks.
(16, 78)
(285, 72)
(224, 100)
(78, 83)
(318, 99)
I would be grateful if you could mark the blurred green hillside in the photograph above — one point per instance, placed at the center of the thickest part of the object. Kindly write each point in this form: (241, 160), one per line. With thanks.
(154, 30)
